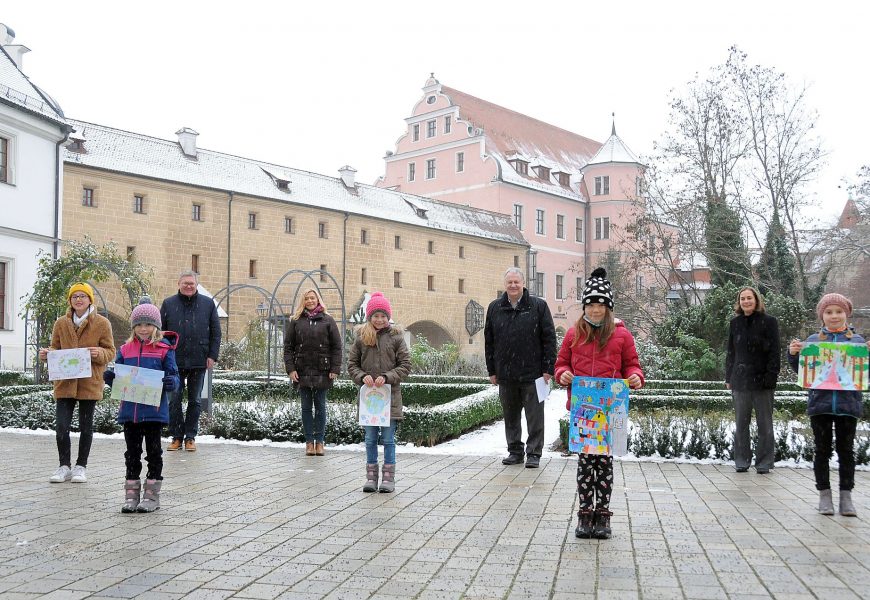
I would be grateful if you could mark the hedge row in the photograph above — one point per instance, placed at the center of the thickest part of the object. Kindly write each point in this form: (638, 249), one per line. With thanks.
(18, 390)
(413, 378)
(658, 384)
(8, 377)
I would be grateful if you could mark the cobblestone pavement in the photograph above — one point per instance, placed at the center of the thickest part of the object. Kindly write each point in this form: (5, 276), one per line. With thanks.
(264, 522)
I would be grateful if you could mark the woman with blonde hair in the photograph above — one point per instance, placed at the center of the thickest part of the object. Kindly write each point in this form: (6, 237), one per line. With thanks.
(312, 356)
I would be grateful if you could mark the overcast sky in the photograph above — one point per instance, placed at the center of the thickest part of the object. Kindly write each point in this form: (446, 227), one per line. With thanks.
(322, 84)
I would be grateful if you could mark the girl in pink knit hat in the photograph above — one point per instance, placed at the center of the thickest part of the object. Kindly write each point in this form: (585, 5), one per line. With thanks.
(833, 411)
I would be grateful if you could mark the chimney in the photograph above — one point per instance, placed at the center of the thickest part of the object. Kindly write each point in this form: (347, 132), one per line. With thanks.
(187, 141)
(15, 51)
(348, 176)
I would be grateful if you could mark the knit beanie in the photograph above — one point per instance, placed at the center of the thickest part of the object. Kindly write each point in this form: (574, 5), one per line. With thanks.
(834, 300)
(82, 287)
(146, 314)
(598, 289)
(377, 302)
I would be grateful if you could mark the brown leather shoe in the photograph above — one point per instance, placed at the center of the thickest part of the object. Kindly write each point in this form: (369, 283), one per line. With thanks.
(189, 445)
(318, 448)
(309, 448)
(174, 445)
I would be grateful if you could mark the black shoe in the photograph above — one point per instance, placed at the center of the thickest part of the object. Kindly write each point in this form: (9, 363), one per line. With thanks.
(512, 459)
(762, 471)
(584, 524)
(601, 526)
(533, 461)
(741, 469)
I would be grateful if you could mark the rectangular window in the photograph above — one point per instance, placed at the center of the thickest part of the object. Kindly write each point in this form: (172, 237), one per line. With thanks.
(322, 273)
(194, 263)
(565, 179)
(559, 288)
(638, 285)
(539, 277)
(364, 236)
(518, 216)
(3, 267)
(579, 234)
(363, 276)
(543, 173)
(252, 220)
(602, 228)
(322, 231)
(652, 295)
(131, 253)
(517, 260)
(461, 286)
(448, 122)
(521, 166)
(397, 279)
(602, 185)
(461, 251)
(539, 221)
(430, 282)
(430, 168)
(416, 132)
(430, 247)
(138, 204)
(580, 283)
(412, 171)
(4, 167)
(87, 197)
(197, 212)
(288, 225)
(533, 273)
(397, 242)
(430, 128)
(460, 162)
(560, 227)
(252, 269)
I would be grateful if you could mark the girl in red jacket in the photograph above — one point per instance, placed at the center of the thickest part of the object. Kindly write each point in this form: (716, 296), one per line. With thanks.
(597, 346)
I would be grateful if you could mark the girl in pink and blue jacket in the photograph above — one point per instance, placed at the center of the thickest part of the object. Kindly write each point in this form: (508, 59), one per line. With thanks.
(150, 348)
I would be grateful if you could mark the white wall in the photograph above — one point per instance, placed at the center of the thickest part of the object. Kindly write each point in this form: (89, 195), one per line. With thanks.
(20, 254)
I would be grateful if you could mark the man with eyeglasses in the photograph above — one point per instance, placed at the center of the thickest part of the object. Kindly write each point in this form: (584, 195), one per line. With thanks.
(194, 318)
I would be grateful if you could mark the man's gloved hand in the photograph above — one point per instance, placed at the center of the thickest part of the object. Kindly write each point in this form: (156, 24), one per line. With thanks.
(108, 377)
(169, 384)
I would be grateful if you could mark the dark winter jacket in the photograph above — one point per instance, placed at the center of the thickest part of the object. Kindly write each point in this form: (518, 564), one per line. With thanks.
(832, 402)
(618, 359)
(388, 357)
(160, 357)
(195, 319)
(753, 358)
(312, 348)
(519, 343)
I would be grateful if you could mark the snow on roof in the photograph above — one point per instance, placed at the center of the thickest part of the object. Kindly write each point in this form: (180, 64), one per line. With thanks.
(614, 150)
(510, 134)
(136, 154)
(17, 90)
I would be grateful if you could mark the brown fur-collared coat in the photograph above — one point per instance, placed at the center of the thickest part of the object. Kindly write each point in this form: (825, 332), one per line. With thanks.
(94, 332)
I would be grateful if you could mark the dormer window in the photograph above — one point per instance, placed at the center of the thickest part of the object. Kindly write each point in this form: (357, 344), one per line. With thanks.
(564, 178)
(521, 166)
(543, 172)
(279, 178)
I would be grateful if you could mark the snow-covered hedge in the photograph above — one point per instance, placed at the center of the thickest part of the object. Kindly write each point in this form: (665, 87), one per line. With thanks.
(18, 390)
(430, 425)
(9, 377)
(783, 386)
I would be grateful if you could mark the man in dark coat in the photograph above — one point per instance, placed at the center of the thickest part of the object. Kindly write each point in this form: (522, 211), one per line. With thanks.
(520, 347)
(194, 318)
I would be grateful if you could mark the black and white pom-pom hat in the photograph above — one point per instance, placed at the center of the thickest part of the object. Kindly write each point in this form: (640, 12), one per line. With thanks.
(598, 289)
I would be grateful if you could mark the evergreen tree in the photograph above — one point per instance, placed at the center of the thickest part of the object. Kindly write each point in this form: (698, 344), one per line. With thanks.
(776, 268)
(726, 251)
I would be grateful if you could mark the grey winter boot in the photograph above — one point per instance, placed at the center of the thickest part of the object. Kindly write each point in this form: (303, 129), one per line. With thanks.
(826, 502)
(371, 478)
(150, 497)
(388, 479)
(847, 509)
(131, 495)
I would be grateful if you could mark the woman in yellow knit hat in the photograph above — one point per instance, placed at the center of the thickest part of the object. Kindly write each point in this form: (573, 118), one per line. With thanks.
(80, 327)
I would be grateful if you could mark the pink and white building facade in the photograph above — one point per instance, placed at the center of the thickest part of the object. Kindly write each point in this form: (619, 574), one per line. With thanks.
(568, 194)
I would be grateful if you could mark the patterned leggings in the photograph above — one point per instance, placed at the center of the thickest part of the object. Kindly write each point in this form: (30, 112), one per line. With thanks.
(594, 480)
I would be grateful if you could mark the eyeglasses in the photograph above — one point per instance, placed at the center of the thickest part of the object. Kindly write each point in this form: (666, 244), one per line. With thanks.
(77, 297)
(185, 284)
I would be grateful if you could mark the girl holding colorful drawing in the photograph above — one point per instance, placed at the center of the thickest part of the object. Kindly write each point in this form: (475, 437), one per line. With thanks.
(380, 356)
(598, 345)
(149, 348)
(831, 410)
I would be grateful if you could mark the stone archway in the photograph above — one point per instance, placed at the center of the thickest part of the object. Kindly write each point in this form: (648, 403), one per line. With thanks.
(434, 333)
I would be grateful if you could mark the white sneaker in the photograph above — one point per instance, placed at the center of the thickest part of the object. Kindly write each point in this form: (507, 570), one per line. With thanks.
(62, 474)
(79, 474)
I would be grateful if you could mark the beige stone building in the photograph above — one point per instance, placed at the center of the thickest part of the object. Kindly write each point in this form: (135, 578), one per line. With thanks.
(243, 224)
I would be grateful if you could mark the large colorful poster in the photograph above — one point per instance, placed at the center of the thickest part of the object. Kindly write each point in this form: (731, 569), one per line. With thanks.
(599, 416)
(374, 405)
(137, 384)
(834, 366)
(69, 364)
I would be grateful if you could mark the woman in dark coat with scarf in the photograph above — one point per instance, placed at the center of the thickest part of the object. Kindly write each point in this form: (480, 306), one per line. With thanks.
(312, 356)
(751, 370)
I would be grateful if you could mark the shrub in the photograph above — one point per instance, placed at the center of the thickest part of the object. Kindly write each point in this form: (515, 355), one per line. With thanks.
(445, 360)
(430, 425)
(15, 378)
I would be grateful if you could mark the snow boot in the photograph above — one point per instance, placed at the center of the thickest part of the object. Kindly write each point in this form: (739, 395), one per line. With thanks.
(132, 487)
(584, 524)
(371, 478)
(601, 526)
(388, 479)
(150, 497)
(826, 502)
(847, 509)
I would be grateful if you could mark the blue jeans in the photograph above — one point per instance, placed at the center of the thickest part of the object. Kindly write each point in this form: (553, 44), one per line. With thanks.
(313, 413)
(388, 439)
(181, 426)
